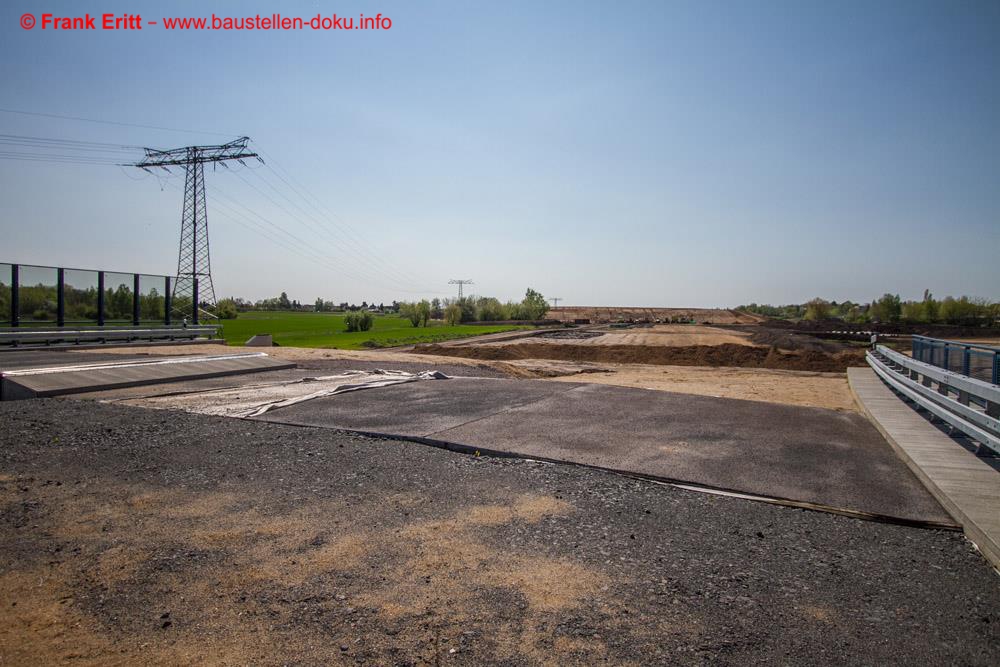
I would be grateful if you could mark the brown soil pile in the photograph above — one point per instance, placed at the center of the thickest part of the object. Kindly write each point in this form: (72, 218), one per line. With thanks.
(695, 355)
(788, 340)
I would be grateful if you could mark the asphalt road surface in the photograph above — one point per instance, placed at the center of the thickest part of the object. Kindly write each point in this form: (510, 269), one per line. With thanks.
(156, 537)
(805, 454)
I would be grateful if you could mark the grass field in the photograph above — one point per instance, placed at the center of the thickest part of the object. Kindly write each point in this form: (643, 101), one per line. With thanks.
(329, 330)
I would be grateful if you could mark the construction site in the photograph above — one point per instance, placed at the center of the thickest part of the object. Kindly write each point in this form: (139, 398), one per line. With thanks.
(607, 484)
(308, 443)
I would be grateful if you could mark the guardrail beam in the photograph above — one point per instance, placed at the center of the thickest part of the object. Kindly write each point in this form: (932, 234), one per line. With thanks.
(915, 380)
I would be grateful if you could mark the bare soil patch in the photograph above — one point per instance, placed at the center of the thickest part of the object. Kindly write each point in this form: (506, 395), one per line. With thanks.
(674, 335)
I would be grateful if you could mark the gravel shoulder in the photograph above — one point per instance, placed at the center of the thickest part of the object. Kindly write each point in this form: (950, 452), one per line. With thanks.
(133, 535)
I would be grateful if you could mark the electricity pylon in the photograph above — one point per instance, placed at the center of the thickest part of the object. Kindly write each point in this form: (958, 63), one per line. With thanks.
(460, 283)
(194, 264)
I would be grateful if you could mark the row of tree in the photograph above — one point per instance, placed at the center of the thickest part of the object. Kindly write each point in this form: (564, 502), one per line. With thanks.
(475, 309)
(40, 303)
(963, 310)
(282, 302)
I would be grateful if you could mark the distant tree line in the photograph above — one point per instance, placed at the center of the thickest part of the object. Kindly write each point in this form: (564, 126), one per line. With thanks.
(40, 303)
(454, 311)
(282, 302)
(963, 310)
(475, 309)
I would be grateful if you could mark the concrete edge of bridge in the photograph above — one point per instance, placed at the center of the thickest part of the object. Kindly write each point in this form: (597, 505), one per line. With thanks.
(965, 485)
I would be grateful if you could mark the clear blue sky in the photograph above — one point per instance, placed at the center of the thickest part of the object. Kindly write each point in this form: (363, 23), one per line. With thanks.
(634, 153)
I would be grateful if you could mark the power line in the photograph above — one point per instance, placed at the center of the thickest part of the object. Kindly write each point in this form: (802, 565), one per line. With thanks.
(112, 122)
(346, 257)
(303, 248)
(377, 262)
(66, 159)
(344, 230)
(44, 142)
(298, 245)
(24, 148)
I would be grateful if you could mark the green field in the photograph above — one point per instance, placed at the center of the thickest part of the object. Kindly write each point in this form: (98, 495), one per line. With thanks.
(329, 330)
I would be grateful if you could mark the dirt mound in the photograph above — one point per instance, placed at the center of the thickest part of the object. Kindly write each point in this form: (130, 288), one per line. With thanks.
(789, 340)
(695, 355)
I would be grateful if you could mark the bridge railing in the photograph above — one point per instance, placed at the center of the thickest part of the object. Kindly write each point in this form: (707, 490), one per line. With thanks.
(51, 296)
(968, 404)
(972, 359)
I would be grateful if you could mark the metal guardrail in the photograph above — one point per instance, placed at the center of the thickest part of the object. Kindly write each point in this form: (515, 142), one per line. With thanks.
(968, 404)
(35, 296)
(972, 359)
(21, 337)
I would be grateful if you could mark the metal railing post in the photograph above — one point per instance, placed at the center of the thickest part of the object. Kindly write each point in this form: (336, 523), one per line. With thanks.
(60, 297)
(100, 298)
(15, 295)
(194, 302)
(166, 300)
(136, 313)
(965, 360)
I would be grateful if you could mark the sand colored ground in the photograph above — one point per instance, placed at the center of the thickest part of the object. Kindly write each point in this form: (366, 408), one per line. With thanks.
(820, 390)
(673, 335)
(823, 390)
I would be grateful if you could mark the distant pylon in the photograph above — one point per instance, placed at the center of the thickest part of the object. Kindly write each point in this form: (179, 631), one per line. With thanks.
(555, 301)
(460, 283)
(193, 285)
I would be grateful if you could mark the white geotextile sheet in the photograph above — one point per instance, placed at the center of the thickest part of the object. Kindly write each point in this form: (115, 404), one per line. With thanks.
(256, 399)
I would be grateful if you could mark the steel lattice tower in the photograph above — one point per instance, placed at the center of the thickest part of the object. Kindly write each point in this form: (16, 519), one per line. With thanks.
(193, 284)
(460, 284)
(194, 261)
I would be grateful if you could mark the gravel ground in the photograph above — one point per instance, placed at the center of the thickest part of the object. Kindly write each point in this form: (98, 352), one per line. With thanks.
(133, 535)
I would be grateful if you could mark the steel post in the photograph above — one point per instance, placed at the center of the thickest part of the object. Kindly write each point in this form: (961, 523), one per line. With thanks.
(15, 295)
(136, 303)
(166, 300)
(61, 297)
(194, 301)
(100, 298)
